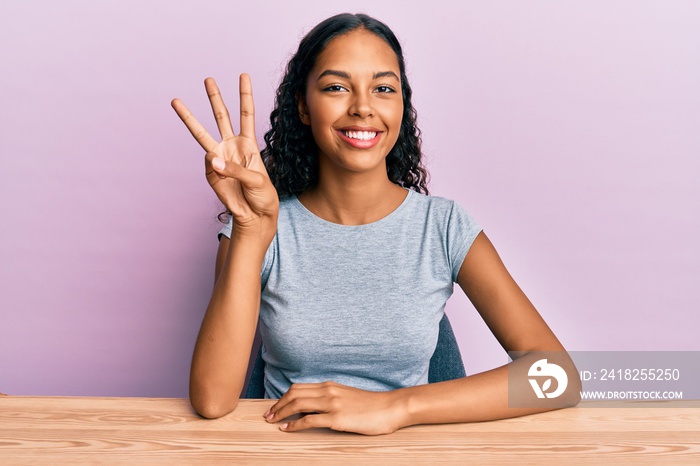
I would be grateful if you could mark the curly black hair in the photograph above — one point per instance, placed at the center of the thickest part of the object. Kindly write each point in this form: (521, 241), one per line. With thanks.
(290, 152)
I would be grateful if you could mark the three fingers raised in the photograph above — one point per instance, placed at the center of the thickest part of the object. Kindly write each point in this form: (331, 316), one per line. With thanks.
(221, 114)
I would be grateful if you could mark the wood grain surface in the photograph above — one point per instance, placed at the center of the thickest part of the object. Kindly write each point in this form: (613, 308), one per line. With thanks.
(79, 430)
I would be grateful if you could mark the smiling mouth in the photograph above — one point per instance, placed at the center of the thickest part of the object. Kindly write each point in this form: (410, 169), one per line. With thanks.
(360, 135)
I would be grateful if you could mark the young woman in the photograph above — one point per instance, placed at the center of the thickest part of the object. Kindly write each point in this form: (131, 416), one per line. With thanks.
(336, 248)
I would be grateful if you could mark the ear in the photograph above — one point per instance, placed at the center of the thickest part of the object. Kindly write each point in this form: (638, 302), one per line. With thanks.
(303, 110)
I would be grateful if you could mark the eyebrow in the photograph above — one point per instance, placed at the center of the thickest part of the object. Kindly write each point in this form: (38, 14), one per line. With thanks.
(340, 74)
(345, 75)
(386, 74)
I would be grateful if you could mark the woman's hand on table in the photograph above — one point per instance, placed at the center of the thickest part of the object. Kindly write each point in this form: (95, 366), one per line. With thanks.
(337, 407)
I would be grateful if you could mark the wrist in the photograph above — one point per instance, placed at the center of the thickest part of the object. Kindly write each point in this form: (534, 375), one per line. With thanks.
(259, 231)
(401, 407)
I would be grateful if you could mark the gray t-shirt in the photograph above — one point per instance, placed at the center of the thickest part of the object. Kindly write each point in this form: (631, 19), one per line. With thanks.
(359, 305)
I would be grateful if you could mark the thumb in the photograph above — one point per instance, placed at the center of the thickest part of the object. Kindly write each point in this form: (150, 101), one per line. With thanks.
(249, 178)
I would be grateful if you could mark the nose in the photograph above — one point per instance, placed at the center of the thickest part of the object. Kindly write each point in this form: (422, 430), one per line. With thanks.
(361, 105)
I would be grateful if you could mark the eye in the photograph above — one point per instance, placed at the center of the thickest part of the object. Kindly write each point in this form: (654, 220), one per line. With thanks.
(384, 90)
(334, 88)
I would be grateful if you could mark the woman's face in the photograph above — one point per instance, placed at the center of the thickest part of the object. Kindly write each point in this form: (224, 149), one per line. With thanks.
(353, 102)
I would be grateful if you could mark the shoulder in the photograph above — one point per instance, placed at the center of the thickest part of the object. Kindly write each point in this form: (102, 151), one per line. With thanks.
(451, 219)
(290, 210)
(435, 208)
(287, 202)
(446, 217)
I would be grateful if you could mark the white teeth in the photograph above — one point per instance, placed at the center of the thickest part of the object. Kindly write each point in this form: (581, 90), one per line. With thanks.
(361, 135)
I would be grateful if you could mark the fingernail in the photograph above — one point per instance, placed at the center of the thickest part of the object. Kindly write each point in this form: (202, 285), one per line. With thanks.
(267, 413)
(269, 417)
(218, 163)
(284, 426)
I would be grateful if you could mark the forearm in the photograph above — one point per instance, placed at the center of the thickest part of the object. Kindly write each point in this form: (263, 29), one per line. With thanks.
(222, 351)
(482, 397)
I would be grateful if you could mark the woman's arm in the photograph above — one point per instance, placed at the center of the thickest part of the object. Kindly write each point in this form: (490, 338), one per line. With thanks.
(235, 171)
(519, 328)
(222, 351)
(513, 320)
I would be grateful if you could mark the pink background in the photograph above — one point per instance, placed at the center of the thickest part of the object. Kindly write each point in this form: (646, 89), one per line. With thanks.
(570, 130)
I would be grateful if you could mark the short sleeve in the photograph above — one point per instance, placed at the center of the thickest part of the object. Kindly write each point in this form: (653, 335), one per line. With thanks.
(269, 255)
(462, 230)
(226, 230)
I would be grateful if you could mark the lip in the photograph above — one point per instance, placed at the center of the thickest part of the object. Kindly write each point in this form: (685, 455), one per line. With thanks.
(360, 128)
(358, 143)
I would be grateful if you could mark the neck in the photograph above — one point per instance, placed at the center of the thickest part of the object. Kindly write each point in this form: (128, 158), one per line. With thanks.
(354, 198)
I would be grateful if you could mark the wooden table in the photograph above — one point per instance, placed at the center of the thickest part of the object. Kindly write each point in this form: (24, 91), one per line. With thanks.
(65, 430)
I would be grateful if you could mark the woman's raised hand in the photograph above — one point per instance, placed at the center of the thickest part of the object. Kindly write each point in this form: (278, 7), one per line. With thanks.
(233, 166)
